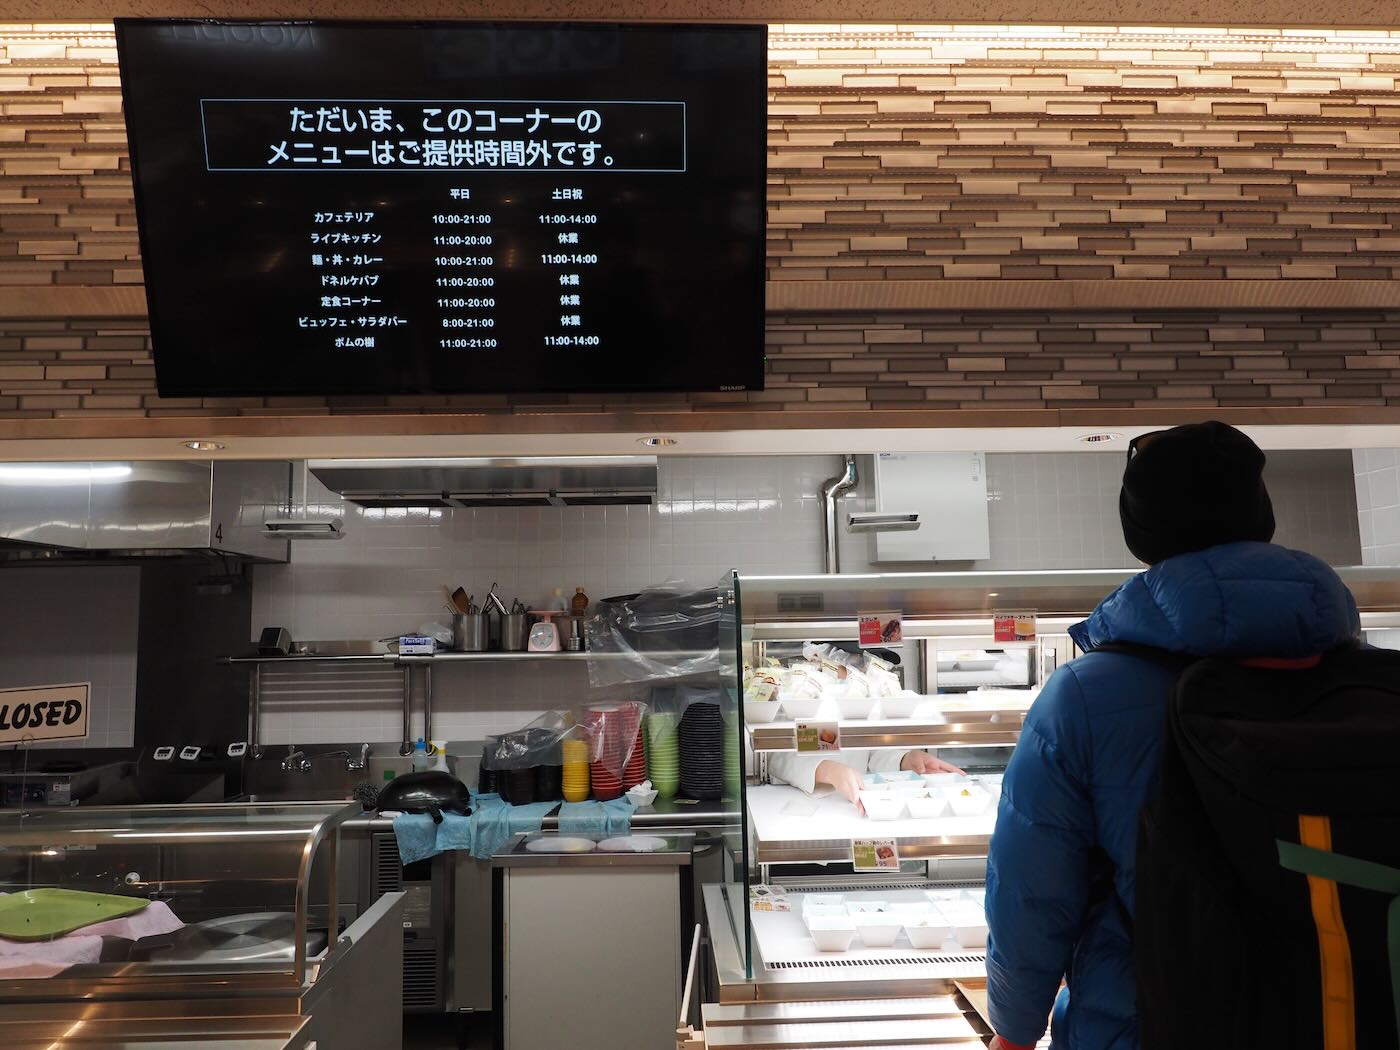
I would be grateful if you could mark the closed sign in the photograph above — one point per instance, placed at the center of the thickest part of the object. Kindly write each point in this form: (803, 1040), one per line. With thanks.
(47, 712)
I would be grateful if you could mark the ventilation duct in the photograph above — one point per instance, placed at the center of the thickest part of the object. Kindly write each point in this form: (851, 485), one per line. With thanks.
(570, 481)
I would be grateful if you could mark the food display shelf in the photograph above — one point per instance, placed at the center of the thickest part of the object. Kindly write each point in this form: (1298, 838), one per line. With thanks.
(783, 941)
(976, 719)
(831, 824)
(1006, 673)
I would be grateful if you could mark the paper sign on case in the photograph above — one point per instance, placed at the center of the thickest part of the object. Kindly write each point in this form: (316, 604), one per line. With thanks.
(875, 855)
(1014, 627)
(817, 736)
(48, 712)
(881, 629)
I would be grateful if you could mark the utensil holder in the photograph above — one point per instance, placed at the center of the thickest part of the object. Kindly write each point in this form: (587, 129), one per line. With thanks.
(469, 633)
(515, 632)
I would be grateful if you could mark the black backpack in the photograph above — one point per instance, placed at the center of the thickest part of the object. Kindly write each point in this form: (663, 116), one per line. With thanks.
(1268, 861)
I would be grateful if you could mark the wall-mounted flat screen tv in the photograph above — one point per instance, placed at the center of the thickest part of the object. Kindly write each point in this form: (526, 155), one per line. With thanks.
(366, 208)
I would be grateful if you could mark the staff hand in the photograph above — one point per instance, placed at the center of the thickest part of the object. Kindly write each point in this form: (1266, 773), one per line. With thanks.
(842, 777)
(923, 762)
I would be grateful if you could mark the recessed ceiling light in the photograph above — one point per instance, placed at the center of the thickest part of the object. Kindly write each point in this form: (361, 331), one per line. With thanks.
(657, 442)
(204, 446)
(993, 594)
(1100, 438)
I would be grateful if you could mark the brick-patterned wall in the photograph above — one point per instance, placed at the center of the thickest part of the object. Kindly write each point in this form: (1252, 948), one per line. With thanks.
(817, 362)
(1069, 153)
(897, 153)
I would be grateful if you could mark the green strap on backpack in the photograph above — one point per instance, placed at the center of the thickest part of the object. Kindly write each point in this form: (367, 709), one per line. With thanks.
(1361, 874)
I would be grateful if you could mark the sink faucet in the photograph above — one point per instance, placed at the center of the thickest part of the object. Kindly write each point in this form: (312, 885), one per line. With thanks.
(355, 765)
(296, 762)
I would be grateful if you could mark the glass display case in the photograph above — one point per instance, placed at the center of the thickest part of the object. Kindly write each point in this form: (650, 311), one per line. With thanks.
(885, 889)
(169, 904)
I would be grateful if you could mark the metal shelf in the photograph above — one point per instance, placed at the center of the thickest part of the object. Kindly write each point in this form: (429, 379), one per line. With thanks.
(1050, 593)
(780, 838)
(964, 729)
(447, 657)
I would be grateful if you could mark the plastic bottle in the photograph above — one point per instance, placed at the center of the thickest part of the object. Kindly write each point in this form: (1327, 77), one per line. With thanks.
(420, 756)
(579, 606)
(558, 602)
(440, 756)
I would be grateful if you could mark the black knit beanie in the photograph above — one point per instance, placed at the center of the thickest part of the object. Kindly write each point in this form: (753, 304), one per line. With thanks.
(1193, 487)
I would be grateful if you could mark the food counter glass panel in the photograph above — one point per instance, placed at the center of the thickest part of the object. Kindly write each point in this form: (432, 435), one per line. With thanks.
(887, 884)
(170, 894)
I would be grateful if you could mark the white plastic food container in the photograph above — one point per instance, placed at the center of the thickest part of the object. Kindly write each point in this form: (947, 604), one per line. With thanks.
(928, 934)
(877, 930)
(899, 706)
(867, 907)
(761, 710)
(969, 801)
(800, 707)
(832, 934)
(855, 707)
(969, 924)
(904, 909)
(881, 806)
(818, 900)
(926, 808)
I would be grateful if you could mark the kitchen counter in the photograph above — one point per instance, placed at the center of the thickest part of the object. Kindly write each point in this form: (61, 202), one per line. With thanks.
(664, 814)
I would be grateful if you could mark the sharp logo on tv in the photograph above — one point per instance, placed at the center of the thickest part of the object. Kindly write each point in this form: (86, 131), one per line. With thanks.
(414, 208)
(48, 712)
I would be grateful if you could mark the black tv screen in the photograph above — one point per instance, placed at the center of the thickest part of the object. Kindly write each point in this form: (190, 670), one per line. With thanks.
(363, 208)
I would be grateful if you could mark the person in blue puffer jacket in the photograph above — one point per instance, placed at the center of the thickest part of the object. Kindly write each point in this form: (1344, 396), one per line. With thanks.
(1060, 870)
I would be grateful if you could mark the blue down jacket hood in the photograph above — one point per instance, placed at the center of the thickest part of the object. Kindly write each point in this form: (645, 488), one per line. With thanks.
(1087, 762)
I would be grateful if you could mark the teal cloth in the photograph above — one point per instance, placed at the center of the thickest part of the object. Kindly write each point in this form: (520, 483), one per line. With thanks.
(419, 838)
(490, 827)
(497, 821)
(597, 818)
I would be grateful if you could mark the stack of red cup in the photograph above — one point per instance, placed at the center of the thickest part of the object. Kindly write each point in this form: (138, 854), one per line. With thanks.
(616, 730)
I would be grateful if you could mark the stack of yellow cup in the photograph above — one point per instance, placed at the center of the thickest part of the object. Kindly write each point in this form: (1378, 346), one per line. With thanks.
(575, 754)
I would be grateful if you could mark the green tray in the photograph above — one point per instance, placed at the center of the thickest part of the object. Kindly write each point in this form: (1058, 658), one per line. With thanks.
(37, 915)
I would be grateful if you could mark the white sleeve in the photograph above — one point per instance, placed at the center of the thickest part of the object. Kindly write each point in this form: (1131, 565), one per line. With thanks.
(788, 767)
(886, 760)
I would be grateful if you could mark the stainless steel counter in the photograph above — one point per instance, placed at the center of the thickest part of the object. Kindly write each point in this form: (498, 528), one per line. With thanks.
(664, 814)
(524, 851)
(285, 1032)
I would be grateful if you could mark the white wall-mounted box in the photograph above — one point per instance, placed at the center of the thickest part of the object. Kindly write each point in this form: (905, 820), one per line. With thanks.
(948, 490)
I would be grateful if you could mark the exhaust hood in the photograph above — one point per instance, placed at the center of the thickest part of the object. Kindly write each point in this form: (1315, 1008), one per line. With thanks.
(103, 511)
(567, 481)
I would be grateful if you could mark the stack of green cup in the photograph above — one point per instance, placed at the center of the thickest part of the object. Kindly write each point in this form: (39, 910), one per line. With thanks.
(731, 756)
(663, 753)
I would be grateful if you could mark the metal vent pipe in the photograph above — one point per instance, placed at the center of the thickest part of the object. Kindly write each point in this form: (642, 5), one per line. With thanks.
(832, 490)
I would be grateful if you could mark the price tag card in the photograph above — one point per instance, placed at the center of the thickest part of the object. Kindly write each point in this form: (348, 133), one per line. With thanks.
(1014, 627)
(812, 737)
(875, 855)
(881, 629)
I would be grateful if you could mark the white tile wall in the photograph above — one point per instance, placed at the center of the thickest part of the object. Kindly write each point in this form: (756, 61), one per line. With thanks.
(74, 624)
(712, 514)
(1315, 505)
(1377, 476)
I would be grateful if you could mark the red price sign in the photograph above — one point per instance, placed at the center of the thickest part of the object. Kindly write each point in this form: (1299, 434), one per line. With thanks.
(1014, 627)
(881, 629)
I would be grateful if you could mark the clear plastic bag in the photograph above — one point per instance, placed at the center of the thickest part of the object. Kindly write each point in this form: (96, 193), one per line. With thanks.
(668, 631)
(537, 744)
